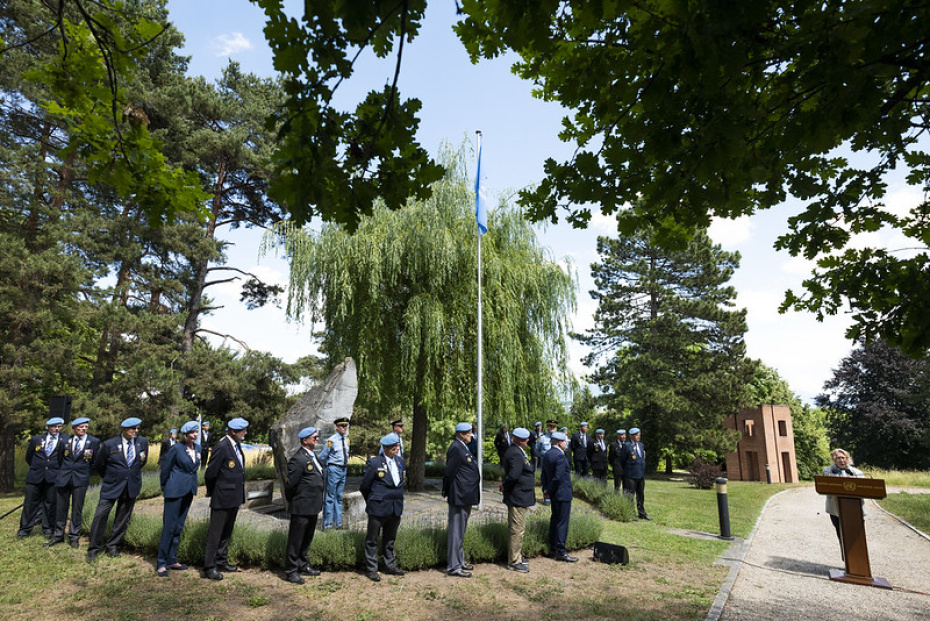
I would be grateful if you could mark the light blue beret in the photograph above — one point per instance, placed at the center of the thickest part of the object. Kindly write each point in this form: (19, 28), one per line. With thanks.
(57, 420)
(238, 424)
(391, 439)
(131, 422)
(206, 423)
(564, 429)
(538, 424)
(559, 436)
(189, 426)
(462, 427)
(521, 433)
(173, 431)
(623, 431)
(585, 424)
(599, 431)
(634, 431)
(80, 421)
(306, 432)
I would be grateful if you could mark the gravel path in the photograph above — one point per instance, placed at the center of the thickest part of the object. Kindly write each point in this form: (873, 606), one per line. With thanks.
(784, 574)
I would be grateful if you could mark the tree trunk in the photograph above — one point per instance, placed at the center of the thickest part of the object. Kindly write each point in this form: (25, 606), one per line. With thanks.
(668, 464)
(8, 435)
(416, 468)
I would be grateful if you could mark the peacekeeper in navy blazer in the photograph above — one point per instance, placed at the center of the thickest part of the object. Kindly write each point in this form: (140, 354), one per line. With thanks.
(556, 483)
(383, 490)
(633, 457)
(303, 491)
(119, 461)
(43, 457)
(460, 485)
(77, 457)
(225, 481)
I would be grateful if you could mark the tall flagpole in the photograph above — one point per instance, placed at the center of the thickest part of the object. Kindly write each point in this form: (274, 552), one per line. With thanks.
(480, 332)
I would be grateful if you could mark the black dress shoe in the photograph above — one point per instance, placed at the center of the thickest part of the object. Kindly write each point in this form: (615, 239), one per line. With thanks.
(565, 558)
(468, 567)
(212, 574)
(75, 544)
(460, 574)
(294, 578)
(309, 571)
(645, 517)
(91, 557)
(373, 576)
(394, 571)
(227, 568)
(113, 553)
(54, 542)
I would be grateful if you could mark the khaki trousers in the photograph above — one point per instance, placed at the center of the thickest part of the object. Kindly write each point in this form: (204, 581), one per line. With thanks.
(516, 524)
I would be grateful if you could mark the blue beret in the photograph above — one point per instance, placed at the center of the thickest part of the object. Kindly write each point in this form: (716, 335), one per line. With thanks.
(57, 420)
(306, 432)
(585, 424)
(599, 431)
(238, 424)
(634, 431)
(391, 439)
(131, 422)
(538, 424)
(206, 423)
(189, 426)
(559, 436)
(623, 431)
(80, 421)
(462, 427)
(173, 431)
(564, 429)
(521, 433)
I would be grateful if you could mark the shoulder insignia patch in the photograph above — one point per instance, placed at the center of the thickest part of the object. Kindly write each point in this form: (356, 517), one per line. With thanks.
(231, 464)
(329, 443)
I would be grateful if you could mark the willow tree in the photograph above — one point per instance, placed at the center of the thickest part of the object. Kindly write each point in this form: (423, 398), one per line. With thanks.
(400, 296)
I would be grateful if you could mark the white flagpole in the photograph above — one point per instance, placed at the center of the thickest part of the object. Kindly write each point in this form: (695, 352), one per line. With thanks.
(480, 347)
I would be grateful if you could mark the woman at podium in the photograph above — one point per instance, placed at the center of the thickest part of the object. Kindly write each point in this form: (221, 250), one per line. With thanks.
(842, 467)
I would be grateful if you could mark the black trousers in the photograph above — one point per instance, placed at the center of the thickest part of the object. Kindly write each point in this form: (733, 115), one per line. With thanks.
(637, 488)
(38, 505)
(558, 526)
(600, 473)
(98, 528)
(581, 467)
(299, 537)
(219, 532)
(69, 496)
(618, 479)
(387, 526)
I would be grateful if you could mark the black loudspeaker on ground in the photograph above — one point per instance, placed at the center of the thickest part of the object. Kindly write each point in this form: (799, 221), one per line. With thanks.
(610, 553)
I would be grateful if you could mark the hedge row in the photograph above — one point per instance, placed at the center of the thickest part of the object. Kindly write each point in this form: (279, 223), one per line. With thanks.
(616, 506)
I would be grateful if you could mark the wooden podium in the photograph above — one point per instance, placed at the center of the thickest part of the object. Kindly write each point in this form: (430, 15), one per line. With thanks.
(850, 491)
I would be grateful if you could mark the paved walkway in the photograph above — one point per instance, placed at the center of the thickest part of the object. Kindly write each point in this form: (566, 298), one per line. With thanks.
(786, 563)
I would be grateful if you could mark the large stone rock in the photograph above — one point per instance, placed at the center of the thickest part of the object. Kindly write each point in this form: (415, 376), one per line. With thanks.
(319, 408)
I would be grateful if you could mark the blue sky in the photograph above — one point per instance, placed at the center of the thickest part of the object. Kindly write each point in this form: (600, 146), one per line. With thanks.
(519, 133)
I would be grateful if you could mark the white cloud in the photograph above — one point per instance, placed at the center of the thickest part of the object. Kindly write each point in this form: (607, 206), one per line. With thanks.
(232, 43)
(731, 233)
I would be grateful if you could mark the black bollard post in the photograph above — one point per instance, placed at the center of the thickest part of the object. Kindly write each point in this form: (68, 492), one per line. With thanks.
(768, 474)
(723, 509)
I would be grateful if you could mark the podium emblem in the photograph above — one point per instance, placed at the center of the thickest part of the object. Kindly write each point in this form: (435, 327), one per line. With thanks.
(849, 486)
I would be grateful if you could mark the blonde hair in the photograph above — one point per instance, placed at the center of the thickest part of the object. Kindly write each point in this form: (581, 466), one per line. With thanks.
(839, 451)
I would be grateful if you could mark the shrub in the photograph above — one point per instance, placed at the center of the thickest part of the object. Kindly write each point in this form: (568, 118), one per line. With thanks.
(703, 474)
(614, 505)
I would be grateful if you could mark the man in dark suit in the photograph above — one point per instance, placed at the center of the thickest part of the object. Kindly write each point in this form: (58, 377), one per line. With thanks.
(519, 489)
(460, 486)
(557, 487)
(634, 469)
(43, 457)
(303, 490)
(579, 449)
(119, 461)
(613, 456)
(534, 438)
(166, 445)
(383, 489)
(225, 481)
(77, 456)
(206, 441)
(597, 455)
(502, 442)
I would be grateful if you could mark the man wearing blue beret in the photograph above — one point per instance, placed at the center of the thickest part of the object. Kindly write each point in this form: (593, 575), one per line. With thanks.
(42, 455)
(170, 440)
(597, 455)
(579, 445)
(613, 456)
(460, 486)
(383, 489)
(119, 462)
(519, 490)
(634, 469)
(225, 482)
(556, 482)
(77, 456)
(303, 491)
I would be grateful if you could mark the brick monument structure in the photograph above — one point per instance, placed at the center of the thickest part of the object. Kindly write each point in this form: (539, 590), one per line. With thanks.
(767, 439)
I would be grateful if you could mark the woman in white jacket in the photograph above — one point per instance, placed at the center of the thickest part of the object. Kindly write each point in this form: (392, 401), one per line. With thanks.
(842, 467)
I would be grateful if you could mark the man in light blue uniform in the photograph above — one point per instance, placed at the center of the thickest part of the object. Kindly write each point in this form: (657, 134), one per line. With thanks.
(335, 458)
(544, 443)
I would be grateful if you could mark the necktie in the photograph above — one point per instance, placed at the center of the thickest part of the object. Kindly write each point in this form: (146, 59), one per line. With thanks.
(239, 455)
(584, 439)
(49, 445)
(130, 452)
(345, 452)
(77, 446)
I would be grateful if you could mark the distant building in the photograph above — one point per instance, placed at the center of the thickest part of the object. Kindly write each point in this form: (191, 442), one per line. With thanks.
(767, 439)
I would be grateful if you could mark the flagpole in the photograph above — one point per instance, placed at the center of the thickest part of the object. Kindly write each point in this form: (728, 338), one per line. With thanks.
(480, 336)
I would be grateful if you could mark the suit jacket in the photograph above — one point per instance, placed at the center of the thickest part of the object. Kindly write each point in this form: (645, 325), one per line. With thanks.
(382, 497)
(304, 487)
(461, 478)
(634, 464)
(578, 451)
(556, 476)
(165, 447)
(613, 456)
(74, 467)
(179, 472)
(597, 455)
(118, 476)
(43, 468)
(519, 483)
(225, 475)
(501, 444)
